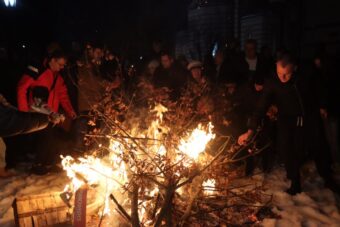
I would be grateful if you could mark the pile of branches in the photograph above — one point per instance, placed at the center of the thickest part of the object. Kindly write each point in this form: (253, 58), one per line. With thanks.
(180, 198)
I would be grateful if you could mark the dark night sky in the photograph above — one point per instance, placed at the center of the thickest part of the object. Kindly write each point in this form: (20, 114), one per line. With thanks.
(131, 25)
(130, 22)
(35, 23)
(66, 20)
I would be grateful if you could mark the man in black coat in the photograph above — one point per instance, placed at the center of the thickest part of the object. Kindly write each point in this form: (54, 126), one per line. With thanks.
(298, 125)
(246, 67)
(250, 94)
(14, 122)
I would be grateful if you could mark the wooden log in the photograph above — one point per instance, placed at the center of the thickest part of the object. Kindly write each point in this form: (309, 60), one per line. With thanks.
(39, 210)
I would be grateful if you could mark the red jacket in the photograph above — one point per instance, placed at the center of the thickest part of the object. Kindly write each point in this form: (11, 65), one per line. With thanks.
(58, 94)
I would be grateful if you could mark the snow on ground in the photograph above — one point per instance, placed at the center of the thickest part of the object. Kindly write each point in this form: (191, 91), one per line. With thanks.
(314, 207)
(24, 184)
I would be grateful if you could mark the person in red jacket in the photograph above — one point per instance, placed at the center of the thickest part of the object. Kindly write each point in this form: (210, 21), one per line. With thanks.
(47, 141)
(50, 79)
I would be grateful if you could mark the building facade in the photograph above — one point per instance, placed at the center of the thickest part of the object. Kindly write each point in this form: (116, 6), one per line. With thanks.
(209, 22)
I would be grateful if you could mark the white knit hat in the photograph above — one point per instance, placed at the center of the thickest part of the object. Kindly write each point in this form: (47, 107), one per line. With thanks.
(194, 64)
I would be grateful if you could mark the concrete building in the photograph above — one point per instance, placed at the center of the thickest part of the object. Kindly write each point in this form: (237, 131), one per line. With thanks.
(209, 22)
(214, 22)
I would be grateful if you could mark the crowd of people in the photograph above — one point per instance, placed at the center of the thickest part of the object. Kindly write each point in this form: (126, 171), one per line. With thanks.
(292, 105)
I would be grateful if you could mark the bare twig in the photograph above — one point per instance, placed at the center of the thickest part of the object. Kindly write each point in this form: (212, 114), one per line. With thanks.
(120, 208)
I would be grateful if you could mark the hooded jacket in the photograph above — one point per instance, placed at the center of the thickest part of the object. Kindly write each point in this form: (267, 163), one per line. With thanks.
(58, 94)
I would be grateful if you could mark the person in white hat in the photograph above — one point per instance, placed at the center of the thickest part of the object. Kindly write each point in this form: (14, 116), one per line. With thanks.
(195, 69)
(200, 87)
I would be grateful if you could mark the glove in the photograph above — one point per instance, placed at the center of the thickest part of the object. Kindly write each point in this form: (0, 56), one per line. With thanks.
(245, 137)
(73, 115)
(56, 118)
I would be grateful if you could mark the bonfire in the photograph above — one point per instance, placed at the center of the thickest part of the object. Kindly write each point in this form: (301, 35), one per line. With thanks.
(159, 165)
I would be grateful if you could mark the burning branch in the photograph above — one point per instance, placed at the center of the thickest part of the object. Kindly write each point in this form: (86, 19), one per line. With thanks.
(155, 155)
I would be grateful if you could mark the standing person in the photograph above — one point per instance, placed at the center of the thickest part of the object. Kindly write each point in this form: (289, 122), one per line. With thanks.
(156, 50)
(170, 74)
(244, 68)
(219, 66)
(267, 59)
(251, 65)
(298, 121)
(92, 76)
(199, 87)
(90, 81)
(50, 79)
(48, 140)
(250, 94)
(18, 147)
(150, 70)
(14, 122)
(327, 85)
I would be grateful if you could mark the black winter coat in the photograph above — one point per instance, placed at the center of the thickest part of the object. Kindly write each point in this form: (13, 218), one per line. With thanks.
(14, 122)
(296, 98)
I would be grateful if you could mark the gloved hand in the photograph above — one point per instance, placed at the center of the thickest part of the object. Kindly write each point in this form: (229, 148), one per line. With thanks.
(73, 116)
(245, 137)
(56, 118)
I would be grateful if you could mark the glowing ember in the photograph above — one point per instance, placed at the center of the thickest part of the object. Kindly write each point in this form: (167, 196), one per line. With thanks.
(209, 186)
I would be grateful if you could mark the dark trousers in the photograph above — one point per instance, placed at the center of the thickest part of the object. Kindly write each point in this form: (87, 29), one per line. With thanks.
(51, 143)
(80, 130)
(266, 136)
(17, 148)
(331, 125)
(295, 143)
